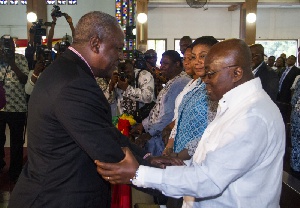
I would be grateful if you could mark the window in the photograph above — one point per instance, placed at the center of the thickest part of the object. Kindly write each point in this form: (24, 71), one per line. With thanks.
(14, 2)
(159, 45)
(125, 14)
(177, 47)
(72, 2)
(50, 2)
(2, 2)
(277, 47)
(61, 2)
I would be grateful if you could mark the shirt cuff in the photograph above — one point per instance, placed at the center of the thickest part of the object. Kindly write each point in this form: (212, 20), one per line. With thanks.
(147, 176)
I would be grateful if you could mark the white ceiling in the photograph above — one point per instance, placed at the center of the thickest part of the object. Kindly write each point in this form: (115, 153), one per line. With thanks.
(226, 3)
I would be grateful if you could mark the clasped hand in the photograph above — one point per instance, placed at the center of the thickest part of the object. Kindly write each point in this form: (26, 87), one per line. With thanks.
(124, 171)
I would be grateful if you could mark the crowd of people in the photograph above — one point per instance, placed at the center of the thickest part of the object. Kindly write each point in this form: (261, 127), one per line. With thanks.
(209, 131)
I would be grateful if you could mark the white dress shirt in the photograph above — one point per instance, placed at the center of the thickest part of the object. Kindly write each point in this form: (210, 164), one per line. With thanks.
(239, 160)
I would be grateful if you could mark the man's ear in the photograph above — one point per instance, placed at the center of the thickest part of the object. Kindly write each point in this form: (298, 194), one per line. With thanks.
(237, 74)
(95, 44)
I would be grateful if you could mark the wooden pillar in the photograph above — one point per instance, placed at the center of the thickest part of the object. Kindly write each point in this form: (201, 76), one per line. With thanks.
(141, 29)
(248, 30)
(38, 7)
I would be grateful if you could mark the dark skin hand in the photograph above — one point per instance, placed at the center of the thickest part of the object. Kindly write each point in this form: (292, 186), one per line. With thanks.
(163, 161)
(142, 139)
(113, 81)
(122, 172)
(137, 130)
(122, 84)
(167, 131)
(38, 68)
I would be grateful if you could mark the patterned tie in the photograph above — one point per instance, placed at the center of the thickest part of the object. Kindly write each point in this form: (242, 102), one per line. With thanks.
(282, 77)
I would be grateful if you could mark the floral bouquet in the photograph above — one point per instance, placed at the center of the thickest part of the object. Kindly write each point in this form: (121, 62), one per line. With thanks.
(121, 195)
(124, 123)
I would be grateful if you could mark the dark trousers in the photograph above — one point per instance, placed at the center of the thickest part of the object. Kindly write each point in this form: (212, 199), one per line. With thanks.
(16, 123)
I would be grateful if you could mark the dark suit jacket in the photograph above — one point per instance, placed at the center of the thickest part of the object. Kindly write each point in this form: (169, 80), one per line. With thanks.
(69, 126)
(269, 80)
(285, 93)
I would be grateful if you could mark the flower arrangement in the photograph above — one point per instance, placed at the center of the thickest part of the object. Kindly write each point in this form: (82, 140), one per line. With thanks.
(123, 123)
(121, 194)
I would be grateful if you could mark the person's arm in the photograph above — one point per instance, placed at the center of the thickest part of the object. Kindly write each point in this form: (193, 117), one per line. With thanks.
(19, 65)
(209, 178)
(145, 91)
(33, 77)
(88, 121)
(69, 20)
(113, 81)
(167, 131)
(166, 112)
(51, 33)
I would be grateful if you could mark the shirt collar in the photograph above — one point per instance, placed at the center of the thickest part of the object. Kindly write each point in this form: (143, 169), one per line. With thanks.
(256, 69)
(238, 94)
(82, 58)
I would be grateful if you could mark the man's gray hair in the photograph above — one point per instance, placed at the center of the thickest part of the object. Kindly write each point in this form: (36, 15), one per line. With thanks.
(93, 24)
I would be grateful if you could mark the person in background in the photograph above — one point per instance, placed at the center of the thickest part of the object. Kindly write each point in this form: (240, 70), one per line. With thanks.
(297, 77)
(151, 59)
(159, 80)
(295, 130)
(268, 77)
(149, 132)
(13, 72)
(188, 68)
(298, 57)
(134, 87)
(271, 61)
(194, 110)
(243, 146)
(60, 47)
(109, 93)
(280, 65)
(286, 80)
(44, 59)
(184, 42)
(70, 123)
(283, 55)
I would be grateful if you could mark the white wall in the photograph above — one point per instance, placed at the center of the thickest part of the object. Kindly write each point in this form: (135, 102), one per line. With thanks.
(13, 17)
(170, 23)
(173, 23)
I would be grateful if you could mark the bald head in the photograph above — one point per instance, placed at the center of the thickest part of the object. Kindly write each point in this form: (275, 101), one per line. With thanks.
(227, 65)
(232, 52)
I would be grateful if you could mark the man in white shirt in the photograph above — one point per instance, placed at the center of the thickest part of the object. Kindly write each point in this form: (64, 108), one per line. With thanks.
(238, 161)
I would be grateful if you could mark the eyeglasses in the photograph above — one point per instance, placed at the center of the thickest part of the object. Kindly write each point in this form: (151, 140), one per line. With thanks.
(210, 74)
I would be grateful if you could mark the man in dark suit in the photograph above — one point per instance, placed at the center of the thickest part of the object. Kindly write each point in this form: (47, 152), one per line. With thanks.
(287, 78)
(267, 75)
(70, 124)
